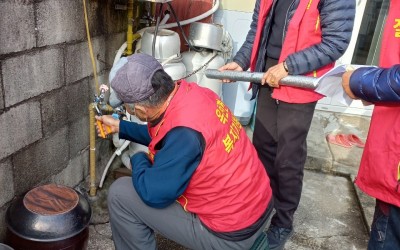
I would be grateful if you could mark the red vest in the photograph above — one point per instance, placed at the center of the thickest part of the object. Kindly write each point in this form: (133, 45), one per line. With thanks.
(379, 173)
(304, 30)
(230, 189)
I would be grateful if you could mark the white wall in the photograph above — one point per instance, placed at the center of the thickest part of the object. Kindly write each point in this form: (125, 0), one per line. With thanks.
(238, 5)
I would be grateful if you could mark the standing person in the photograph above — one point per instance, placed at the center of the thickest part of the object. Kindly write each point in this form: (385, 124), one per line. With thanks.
(379, 173)
(296, 37)
(201, 184)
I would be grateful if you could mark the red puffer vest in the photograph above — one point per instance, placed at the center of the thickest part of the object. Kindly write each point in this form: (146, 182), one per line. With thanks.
(379, 173)
(230, 189)
(304, 30)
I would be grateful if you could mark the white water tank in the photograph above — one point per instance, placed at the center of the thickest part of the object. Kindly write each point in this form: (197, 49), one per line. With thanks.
(195, 60)
(175, 68)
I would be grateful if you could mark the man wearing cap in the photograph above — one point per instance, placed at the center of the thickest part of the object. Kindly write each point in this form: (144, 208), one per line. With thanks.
(201, 184)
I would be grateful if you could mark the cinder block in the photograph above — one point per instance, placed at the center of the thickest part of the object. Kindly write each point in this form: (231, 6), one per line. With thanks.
(17, 25)
(6, 182)
(72, 175)
(37, 163)
(96, 19)
(54, 111)
(78, 135)
(21, 126)
(85, 154)
(78, 61)
(27, 76)
(78, 100)
(60, 21)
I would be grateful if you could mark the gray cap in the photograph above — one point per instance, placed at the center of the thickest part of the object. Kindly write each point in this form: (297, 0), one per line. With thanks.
(132, 81)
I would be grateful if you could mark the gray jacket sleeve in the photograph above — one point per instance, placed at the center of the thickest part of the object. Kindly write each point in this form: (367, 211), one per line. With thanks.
(337, 19)
(242, 57)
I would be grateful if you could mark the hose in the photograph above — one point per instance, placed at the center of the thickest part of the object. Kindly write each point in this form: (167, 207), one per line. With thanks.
(153, 48)
(90, 46)
(118, 151)
(182, 31)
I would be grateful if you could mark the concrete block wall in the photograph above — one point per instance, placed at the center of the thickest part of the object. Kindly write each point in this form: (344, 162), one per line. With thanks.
(46, 85)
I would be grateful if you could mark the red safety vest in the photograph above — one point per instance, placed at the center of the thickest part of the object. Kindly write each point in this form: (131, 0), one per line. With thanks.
(379, 173)
(304, 30)
(230, 189)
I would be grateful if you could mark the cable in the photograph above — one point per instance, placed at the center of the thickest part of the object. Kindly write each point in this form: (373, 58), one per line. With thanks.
(90, 47)
(153, 49)
(180, 27)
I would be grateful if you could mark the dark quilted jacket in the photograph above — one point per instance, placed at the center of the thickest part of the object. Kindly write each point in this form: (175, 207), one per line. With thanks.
(376, 84)
(337, 19)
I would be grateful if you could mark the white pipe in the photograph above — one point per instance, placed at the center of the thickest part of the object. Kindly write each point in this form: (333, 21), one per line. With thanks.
(106, 169)
(165, 19)
(194, 19)
(117, 152)
(116, 141)
(123, 147)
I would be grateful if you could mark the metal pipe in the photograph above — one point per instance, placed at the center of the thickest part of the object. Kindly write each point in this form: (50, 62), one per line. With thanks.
(92, 145)
(92, 153)
(256, 77)
(129, 33)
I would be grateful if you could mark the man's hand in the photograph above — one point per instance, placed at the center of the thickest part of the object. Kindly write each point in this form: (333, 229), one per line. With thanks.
(111, 122)
(230, 66)
(274, 75)
(346, 84)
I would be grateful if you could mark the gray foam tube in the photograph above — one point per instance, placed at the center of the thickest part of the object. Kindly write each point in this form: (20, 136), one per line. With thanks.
(255, 77)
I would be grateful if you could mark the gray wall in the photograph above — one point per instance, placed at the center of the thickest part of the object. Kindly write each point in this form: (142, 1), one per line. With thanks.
(46, 85)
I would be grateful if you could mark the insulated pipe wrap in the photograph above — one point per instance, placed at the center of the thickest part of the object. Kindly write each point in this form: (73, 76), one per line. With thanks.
(256, 77)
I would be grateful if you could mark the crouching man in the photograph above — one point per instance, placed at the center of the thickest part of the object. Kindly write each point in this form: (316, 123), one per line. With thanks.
(201, 184)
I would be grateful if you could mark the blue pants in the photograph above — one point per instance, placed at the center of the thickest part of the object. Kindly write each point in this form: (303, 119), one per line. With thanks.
(385, 228)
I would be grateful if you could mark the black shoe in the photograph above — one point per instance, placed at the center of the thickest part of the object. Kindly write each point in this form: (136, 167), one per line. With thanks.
(277, 237)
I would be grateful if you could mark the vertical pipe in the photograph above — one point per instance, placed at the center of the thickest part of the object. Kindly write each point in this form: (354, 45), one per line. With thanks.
(129, 34)
(92, 146)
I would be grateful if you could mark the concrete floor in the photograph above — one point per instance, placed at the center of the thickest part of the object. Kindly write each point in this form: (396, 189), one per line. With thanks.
(333, 213)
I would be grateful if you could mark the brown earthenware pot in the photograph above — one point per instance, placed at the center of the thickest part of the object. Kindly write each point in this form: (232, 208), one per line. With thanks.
(49, 217)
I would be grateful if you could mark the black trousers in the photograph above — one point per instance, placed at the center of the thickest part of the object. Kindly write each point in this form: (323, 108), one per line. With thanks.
(280, 133)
